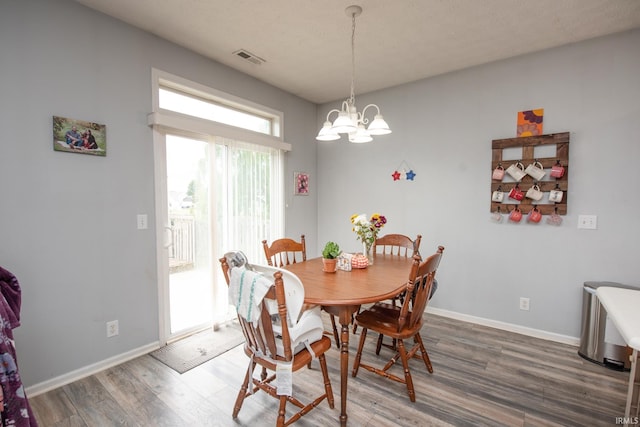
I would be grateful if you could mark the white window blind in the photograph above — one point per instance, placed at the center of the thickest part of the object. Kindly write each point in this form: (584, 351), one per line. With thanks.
(250, 206)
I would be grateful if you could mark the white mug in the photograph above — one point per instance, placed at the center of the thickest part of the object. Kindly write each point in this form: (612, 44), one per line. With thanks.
(516, 171)
(534, 193)
(555, 196)
(535, 170)
(497, 196)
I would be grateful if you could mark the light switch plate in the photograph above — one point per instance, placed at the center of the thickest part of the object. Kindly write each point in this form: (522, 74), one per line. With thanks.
(588, 222)
(142, 222)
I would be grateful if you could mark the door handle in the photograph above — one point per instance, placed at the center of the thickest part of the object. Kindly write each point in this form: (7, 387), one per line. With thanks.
(170, 243)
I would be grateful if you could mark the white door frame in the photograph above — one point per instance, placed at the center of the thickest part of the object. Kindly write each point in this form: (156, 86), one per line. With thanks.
(163, 122)
(162, 236)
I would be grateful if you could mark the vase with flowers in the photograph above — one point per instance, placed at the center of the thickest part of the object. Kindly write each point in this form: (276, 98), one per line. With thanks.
(367, 230)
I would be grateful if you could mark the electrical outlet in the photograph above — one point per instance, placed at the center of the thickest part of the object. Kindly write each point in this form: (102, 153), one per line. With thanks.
(588, 222)
(112, 328)
(142, 222)
(524, 303)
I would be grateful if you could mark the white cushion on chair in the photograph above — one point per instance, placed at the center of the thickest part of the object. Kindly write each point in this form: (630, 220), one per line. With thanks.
(293, 289)
(303, 327)
(309, 329)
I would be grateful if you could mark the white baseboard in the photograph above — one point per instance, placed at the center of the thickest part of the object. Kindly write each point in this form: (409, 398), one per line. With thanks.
(536, 333)
(78, 374)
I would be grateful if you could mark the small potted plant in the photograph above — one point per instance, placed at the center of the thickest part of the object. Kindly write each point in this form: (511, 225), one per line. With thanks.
(330, 255)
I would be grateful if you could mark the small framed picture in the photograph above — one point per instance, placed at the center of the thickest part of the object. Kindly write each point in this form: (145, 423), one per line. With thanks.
(301, 183)
(79, 136)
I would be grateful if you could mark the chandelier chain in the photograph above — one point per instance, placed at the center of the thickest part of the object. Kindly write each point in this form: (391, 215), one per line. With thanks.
(352, 99)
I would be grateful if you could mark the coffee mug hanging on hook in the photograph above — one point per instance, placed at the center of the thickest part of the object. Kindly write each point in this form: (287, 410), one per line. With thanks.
(497, 215)
(554, 218)
(535, 170)
(516, 171)
(516, 193)
(515, 215)
(534, 215)
(534, 193)
(556, 195)
(557, 170)
(498, 195)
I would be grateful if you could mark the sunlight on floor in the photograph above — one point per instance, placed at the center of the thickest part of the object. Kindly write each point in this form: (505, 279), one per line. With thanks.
(191, 299)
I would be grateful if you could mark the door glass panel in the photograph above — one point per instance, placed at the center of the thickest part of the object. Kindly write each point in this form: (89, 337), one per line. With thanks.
(189, 252)
(191, 106)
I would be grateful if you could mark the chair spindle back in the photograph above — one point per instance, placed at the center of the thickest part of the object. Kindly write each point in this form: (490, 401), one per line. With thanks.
(397, 244)
(419, 288)
(285, 251)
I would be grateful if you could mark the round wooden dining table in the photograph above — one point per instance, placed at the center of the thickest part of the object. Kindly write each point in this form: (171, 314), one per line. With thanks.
(341, 294)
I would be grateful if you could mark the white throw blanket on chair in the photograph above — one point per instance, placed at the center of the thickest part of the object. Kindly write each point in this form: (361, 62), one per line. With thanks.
(246, 292)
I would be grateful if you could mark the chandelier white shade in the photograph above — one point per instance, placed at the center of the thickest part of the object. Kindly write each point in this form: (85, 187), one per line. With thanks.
(349, 120)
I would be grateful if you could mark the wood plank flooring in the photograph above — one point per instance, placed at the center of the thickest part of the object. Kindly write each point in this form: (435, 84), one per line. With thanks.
(482, 377)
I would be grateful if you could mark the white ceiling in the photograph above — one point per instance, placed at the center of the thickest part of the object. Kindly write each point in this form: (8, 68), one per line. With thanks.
(307, 43)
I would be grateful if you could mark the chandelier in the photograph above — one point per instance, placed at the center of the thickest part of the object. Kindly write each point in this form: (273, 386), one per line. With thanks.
(350, 120)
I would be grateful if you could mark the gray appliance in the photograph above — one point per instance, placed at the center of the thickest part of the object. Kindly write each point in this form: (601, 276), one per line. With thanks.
(600, 341)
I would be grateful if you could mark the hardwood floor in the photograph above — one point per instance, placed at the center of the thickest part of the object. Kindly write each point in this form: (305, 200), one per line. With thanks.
(482, 377)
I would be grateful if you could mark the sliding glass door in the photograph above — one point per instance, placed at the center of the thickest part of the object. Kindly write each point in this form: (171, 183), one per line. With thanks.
(218, 173)
(221, 195)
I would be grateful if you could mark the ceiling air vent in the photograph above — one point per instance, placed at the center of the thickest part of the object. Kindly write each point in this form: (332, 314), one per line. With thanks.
(248, 56)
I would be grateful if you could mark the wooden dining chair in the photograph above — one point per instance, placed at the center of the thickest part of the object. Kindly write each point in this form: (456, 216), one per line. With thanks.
(273, 340)
(401, 323)
(398, 244)
(285, 251)
(395, 244)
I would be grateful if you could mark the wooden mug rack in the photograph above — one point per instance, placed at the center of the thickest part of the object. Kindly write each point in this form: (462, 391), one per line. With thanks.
(528, 144)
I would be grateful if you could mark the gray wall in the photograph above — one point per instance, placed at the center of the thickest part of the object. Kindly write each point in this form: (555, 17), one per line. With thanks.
(443, 128)
(68, 221)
